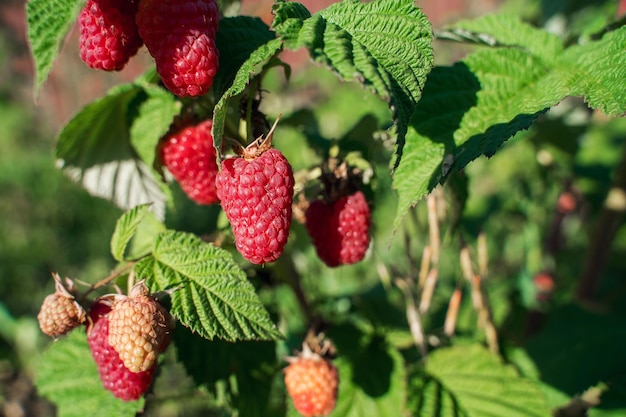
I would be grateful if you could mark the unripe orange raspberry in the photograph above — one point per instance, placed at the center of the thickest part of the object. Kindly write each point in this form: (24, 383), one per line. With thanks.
(312, 382)
(59, 311)
(139, 327)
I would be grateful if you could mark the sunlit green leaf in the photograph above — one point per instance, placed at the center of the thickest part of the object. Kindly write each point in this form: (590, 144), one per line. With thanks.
(369, 43)
(469, 381)
(125, 230)
(212, 295)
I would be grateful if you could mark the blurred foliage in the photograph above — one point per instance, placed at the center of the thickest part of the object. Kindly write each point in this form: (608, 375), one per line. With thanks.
(49, 224)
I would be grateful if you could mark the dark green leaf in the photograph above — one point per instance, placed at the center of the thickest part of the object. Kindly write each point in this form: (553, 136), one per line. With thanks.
(237, 38)
(252, 363)
(577, 349)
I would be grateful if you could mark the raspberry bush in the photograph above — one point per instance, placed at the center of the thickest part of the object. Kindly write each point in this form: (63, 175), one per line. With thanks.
(269, 206)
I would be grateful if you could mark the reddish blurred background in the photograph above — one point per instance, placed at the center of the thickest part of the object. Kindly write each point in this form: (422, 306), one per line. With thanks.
(71, 84)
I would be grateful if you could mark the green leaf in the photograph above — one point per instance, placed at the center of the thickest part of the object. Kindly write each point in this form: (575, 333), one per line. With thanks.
(501, 30)
(470, 381)
(238, 37)
(577, 349)
(473, 107)
(468, 110)
(125, 230)
(152, 121)
(94, 149)
(248, 62)
(251, 363)
(288, 19)
(145, 235)
(376, 389)
(213, 297)
(48, 22)
(597, 71)
(385, 45)
(67, 376)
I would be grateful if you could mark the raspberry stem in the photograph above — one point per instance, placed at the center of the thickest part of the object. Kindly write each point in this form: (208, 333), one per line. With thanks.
(255, 83)
(108, 279)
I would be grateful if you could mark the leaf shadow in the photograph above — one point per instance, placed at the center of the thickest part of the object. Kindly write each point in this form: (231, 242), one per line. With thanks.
(371, 363)
(450, 92)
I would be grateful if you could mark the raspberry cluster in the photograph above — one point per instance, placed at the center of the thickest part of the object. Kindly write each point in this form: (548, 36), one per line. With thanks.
(125, 334)
(179, 34)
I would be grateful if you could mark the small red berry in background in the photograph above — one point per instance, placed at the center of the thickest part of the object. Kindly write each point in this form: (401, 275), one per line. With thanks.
(108, 33)
(189, 155)
(566, 202)
(544, 284)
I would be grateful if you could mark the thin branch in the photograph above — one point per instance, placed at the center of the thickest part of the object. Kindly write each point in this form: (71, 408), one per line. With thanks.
(453, 312)
(479, 299)
(433, 227)
(107, 280)
(483, 254)
(425, 266)
(610, 220)
(295, 283)
(428, 290)
(413, 318)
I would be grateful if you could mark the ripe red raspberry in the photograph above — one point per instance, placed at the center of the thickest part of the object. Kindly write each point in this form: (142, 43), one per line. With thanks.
(180, 35)
(139, 327)
(108, 33)
(190, 156)
(340, 230)
(115, 377)
(256, 194)
(59, 311)
(312, 382)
